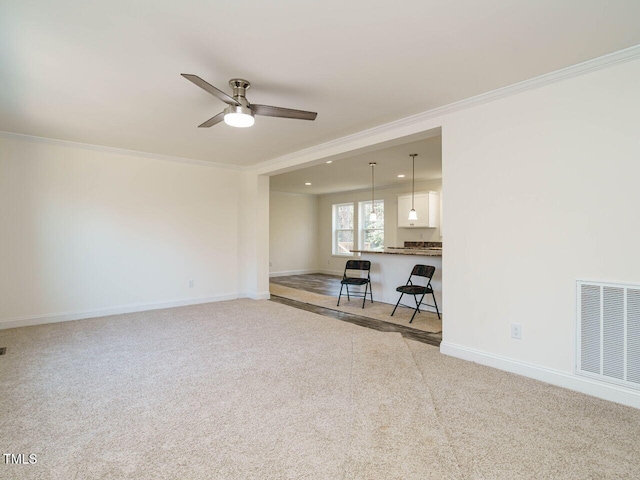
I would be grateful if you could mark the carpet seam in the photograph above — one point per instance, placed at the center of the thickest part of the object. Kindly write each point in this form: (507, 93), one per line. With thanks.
(438, 415)
(351, 412)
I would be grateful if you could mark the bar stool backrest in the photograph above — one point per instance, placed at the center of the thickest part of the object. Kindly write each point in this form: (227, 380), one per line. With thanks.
(361, 265)
(424, 271)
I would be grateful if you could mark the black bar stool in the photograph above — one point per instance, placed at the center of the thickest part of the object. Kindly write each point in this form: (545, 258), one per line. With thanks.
(348, 278)
(427, 272)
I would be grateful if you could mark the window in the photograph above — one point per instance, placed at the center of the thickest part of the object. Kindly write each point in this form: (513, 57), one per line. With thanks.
(343, 229)
(371, 234)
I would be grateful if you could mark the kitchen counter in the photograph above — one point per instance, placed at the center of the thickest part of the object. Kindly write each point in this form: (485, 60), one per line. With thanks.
(391, 267)
(425, 252)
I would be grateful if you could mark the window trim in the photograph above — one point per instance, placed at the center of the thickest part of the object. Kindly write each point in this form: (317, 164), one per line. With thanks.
(335, 230)
(362, 221)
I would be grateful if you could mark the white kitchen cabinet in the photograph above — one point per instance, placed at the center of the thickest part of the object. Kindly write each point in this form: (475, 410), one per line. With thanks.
(427, 206)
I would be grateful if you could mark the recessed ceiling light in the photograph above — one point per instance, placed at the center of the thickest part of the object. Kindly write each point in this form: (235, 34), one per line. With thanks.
(400, 176)
(307, 183)
(329, 161)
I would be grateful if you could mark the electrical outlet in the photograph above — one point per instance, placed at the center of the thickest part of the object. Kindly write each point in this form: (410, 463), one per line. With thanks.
(190, 283)
(329, 262)
(516, 331)
(271, 264)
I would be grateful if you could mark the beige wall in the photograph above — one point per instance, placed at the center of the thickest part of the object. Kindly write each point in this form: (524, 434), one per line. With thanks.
(293, 233)
(541, 189)
(253, 236)
(87, 231)
(393, 236)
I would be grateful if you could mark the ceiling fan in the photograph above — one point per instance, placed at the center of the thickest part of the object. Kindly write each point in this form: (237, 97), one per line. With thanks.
(240, 112)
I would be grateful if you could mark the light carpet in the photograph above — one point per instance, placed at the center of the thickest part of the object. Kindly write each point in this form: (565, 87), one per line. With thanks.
(256, 390)
(425, 320)
(504, 427)
(232, 390)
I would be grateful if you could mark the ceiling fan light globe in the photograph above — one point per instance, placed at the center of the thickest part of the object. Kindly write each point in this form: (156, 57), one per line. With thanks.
(413, 215)
(241, 117)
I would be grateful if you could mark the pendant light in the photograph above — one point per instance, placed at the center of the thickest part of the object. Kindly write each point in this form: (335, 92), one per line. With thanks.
(372, 216)
(412, 214)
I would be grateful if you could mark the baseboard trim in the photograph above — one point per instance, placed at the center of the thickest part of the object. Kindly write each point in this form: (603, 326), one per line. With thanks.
(284, 273)
(337, 273)
(611, 392)
(103, 312)
(256, 296)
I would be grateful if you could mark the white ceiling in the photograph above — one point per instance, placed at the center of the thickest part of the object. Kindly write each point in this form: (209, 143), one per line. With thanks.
(108, 73)
(354, 173)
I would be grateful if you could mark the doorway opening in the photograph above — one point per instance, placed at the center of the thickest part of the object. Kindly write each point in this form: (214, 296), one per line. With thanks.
(304, 265)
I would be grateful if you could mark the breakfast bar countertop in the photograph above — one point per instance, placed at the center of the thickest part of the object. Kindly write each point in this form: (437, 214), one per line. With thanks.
(391, 266)
(426, 252)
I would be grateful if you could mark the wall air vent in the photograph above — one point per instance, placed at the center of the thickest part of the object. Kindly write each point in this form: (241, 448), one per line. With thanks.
(608, 333)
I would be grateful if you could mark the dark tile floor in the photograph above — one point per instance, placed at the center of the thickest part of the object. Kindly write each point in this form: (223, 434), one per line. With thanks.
(324, 284)
(406, 332)
(314, 282)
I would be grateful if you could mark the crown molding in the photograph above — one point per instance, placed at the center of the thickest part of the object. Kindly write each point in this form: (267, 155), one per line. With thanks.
(295, 194)
(392, 129)
(118, 151)
(365, 138)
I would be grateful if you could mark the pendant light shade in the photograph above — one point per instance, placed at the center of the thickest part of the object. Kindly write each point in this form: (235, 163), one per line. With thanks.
(412, 214)
(372, 216)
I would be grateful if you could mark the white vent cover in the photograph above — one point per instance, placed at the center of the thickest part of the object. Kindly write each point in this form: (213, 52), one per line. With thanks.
(609, 332)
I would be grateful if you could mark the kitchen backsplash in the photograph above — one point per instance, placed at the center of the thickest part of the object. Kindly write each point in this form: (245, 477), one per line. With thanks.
(422, 244)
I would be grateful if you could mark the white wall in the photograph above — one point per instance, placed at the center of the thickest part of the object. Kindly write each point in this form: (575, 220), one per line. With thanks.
(541, 189)
(253, 236)
(393, 236)
(87, 231)
(293, 233)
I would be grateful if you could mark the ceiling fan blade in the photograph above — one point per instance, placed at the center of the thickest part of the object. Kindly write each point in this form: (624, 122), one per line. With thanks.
(213, 120)
(270, 111)
(211, 89)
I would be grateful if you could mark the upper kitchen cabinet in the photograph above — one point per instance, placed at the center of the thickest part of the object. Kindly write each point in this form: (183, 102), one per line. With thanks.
(427, 207)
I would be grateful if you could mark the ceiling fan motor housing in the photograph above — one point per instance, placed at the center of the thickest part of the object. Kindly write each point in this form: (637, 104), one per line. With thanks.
(240, 87)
